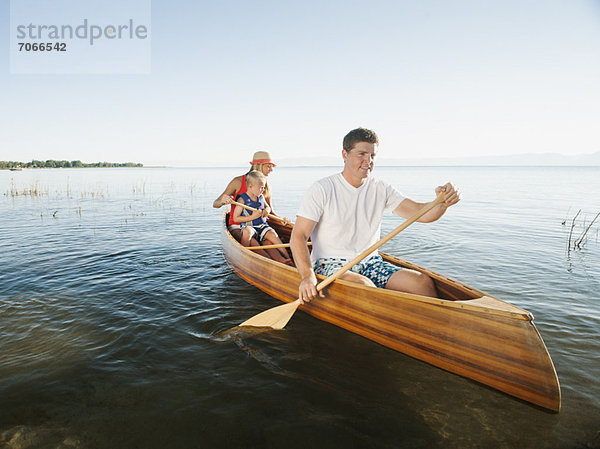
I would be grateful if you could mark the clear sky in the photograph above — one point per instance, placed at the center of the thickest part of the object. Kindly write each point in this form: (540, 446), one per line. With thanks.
(432, 78)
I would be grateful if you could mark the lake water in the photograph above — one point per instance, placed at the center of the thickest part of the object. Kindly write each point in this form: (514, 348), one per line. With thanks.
(114, 299)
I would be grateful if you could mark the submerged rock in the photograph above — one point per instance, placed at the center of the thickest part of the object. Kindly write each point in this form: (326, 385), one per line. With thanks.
(25, 437)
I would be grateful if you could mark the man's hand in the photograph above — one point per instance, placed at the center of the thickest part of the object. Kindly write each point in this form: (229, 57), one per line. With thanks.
(451, 194)
(308, 289)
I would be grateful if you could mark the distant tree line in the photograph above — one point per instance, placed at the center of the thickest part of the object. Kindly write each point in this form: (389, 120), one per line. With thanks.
(4, 165)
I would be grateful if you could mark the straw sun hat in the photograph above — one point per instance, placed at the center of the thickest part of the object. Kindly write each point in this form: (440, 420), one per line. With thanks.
(262, 157)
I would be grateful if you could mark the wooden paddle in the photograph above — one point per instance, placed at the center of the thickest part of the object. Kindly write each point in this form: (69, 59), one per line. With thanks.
(278, 317)
(275, 217)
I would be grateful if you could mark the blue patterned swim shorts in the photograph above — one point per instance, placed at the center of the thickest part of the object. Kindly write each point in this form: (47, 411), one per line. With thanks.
(375, 268)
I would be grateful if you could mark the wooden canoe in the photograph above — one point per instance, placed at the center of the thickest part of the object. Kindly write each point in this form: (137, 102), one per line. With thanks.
(465, 331)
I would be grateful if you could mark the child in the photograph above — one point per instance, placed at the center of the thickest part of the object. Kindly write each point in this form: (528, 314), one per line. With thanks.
(254, 223)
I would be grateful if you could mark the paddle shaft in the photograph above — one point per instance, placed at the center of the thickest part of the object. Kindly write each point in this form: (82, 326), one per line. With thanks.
(321, 285)
(275, 217)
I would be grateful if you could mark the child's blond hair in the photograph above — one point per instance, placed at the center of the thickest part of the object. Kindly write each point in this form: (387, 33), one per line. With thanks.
(254, 177)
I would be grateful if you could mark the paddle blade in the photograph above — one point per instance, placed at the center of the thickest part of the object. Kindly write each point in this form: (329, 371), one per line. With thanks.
(277, 317)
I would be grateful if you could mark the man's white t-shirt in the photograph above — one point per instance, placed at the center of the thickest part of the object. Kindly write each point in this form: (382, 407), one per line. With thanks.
(348, 218)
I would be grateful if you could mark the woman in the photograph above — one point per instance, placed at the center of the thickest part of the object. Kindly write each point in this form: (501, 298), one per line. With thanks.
(263, 163)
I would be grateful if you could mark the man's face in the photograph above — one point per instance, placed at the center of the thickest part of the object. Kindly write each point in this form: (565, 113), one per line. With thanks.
(359, 160)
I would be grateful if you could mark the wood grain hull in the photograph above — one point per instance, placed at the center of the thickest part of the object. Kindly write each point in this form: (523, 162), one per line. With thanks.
(467, 332)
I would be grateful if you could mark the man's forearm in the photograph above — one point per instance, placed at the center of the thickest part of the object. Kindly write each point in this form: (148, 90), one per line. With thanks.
(434, 214)
(301, 256)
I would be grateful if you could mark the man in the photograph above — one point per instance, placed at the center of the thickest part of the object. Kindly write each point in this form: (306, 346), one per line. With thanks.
(342, 213)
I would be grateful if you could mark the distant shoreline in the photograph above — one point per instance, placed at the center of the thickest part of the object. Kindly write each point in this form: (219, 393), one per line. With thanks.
(51, 163)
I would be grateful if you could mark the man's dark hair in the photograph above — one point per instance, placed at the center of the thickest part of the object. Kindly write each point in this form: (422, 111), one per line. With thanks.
(359, 135)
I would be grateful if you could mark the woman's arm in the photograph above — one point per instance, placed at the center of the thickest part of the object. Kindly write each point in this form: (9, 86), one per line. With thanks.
(227, 196)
